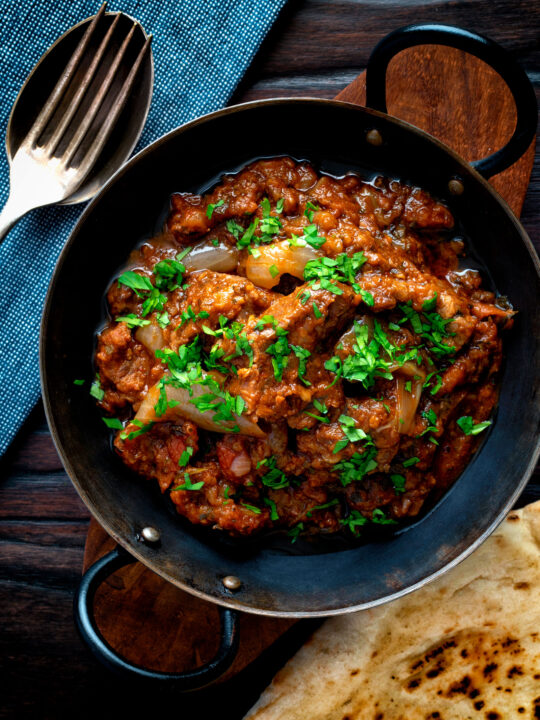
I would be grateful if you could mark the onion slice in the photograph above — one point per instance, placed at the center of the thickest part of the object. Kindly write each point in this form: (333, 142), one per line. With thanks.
(151, 336)
(186, 409)
(407, 403)
(205, 256)
(265, 267)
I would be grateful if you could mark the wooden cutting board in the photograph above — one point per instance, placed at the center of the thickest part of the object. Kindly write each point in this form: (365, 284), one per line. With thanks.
(459, 100)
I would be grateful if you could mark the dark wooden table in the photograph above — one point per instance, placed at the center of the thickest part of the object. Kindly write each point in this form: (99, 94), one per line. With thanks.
(316, 48)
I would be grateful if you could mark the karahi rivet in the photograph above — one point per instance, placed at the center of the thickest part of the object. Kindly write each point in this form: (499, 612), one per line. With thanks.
(150, 534)
(374, 137)
(456, 187)
(231, 582)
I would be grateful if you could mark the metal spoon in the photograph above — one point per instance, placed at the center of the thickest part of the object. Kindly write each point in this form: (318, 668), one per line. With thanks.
(79, 114)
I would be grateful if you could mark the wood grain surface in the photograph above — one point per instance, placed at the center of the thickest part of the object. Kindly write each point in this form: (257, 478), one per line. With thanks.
(316, 48)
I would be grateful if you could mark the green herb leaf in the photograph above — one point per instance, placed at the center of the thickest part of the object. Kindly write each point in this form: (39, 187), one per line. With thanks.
(96, 391)
(398, 481)
(357, 467)
(135, 433)
(273, 509)
(354, 521)
(380, 518)
(185, 457)
(188, 485)
(466, 423)
(134, 281)
(212, 206)
(132, 320)
(274, 478)
(295, 531)
(113, 423)
(327, 505)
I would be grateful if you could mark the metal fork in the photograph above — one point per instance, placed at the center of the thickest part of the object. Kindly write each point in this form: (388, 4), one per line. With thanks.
(40, 177)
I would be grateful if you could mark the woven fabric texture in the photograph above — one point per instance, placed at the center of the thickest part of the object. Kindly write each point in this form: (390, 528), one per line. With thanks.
(201, 50)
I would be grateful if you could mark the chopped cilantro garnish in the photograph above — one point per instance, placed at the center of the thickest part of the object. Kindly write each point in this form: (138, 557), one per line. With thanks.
(327, 505)
(234, 228)
(169, 273)
(431, 418)
(212, 206)
(134, 281)
(304, 297)
(113, 423)
(143, 288)
(321, 408)
(96, 391)
(359, 465)
(273, 270)
(273, 509)
(410, 461)
(354, 521)
(132, 320)
(379, 518)
(249, 237)
(430, 326)
(430, 304)
(279, 205)
(185, 457)
(325, 272)
(466, 423)
(367, 297)
(308, 212)
(302, 354)
(253, 509)
(270, 224)
(280, 350)
(188, 485)
(365, 363)
(141, 429)
(274, 478)
(295, 531)
(352, 433)
(398, 481)
(190, 314)
(316, 417)
(163, 319)
(78, 382)
(316, 311)
(433, 380)
(311, 237)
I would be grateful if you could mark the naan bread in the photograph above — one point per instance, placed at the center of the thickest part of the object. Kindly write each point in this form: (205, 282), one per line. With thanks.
(464, 646)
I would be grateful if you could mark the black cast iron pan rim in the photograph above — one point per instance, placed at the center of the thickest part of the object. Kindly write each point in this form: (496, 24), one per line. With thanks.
(234, 602)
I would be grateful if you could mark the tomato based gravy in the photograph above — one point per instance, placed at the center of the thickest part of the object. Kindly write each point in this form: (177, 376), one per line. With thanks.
(299, 351)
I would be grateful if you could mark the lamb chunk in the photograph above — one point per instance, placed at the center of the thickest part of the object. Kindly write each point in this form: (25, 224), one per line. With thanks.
(215, 295)
(214, 505)
(125, 368)
(270, 398)
(156, 452)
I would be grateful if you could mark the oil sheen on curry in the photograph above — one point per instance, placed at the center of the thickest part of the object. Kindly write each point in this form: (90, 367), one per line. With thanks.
(299, 351)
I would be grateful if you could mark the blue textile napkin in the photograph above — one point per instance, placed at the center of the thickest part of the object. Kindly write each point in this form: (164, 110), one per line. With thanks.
(201, 49)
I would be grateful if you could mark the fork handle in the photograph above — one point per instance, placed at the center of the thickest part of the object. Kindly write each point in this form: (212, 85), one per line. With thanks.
(11, 213)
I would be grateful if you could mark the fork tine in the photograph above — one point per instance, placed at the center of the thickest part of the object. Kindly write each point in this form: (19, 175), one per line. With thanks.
(53, 141)
(55, 96)
(105, 130)
(97, 101)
